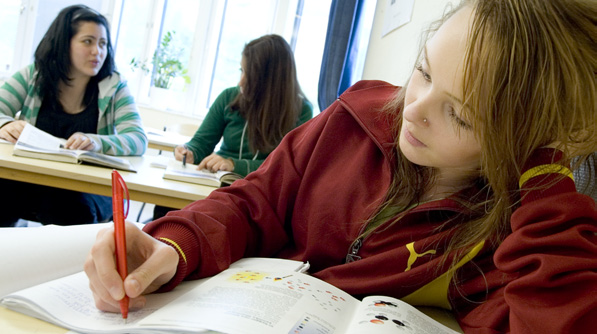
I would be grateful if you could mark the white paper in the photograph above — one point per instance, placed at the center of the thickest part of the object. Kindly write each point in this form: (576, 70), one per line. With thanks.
(38, 138)
(34, 255)
(398, 13)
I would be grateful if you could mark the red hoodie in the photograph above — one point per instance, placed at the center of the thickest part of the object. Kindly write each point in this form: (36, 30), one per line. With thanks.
(311, 197)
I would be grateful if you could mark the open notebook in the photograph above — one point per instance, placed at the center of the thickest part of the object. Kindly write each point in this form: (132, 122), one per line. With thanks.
(189, 173)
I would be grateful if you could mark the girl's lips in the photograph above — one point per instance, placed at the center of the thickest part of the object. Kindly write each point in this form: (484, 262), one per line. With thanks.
(411, 139)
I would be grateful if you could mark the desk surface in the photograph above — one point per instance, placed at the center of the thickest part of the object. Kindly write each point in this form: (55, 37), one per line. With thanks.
(17, 323)
(147, 185)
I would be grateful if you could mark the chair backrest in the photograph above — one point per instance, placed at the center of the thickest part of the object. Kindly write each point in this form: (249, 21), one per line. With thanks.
(585, 177)
(185, 129)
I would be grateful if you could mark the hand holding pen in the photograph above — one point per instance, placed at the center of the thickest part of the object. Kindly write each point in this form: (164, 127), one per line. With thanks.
(182, 153)
(152, 263)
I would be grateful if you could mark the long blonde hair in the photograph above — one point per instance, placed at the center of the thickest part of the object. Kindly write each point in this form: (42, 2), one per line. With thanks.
(529, 81)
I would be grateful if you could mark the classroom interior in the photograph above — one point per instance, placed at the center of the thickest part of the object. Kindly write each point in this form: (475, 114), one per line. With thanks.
(390, 55)
(400, 41)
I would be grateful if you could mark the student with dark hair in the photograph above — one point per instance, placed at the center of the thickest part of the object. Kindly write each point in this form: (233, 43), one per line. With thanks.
(71, 91)
(454, 191)
(251, 118)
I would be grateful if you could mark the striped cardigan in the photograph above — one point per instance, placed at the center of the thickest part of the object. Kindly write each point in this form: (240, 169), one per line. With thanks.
(119, 129)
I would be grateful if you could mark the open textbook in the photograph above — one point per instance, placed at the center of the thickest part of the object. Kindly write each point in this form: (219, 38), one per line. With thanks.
(189, 173)
(253, 296)
(36, 143)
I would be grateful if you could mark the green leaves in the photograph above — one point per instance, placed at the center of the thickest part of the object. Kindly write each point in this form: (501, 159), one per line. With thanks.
(165, 62)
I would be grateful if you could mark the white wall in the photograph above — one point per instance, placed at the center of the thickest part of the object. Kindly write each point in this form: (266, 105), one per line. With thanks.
(157, 119)
(391, 58)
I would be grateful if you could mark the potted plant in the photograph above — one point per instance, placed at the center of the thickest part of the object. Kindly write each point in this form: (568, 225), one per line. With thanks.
(165, 63)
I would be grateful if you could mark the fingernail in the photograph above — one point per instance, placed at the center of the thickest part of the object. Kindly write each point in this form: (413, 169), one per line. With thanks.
(116, 293)
(136, 286)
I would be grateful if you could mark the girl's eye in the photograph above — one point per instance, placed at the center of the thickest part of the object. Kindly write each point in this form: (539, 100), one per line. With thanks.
(459, 122)
(425, 75)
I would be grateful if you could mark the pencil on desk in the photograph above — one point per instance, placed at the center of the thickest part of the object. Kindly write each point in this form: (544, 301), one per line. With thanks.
(184, 156)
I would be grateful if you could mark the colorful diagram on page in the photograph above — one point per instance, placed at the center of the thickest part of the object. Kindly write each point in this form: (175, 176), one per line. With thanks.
(326, 299)
(385, 314)
(247, 276)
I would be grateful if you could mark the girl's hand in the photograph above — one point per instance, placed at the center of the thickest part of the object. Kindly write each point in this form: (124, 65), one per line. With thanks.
(79, 141)
(151, 264)
(214, 163)
(12, 131)
(180, 151)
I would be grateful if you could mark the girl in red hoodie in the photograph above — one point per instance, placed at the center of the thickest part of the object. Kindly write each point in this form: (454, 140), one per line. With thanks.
(455, 191)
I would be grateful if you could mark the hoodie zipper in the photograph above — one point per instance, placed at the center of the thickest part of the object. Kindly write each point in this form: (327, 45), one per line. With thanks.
(354, 250)
(356, 245)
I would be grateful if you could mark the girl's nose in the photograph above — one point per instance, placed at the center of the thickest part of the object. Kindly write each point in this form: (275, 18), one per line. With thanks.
(417, 112)
(95, 49)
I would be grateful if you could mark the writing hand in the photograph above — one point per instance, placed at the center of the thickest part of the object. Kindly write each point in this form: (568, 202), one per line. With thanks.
(79, 141)
(214, 163)
(12, 131)
(180, 151)
(151, 264)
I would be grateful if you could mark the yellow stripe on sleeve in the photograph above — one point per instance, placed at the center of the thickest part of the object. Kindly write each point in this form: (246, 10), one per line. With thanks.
(544, 169)
(170, 241)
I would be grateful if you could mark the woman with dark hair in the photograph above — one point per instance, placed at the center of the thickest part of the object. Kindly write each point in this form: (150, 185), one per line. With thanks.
(252, 117)
(71, 91)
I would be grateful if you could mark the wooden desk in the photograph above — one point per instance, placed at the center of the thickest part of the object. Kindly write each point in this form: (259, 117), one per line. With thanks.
(17, 323)
(147, 185)
(164, 140)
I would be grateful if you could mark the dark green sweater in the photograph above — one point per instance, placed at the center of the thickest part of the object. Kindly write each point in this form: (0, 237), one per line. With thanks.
(222, 122)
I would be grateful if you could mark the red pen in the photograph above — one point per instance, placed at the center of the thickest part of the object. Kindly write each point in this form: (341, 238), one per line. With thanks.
(118, 190)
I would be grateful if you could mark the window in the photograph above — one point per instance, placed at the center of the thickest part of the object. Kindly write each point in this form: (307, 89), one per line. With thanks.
(9, 21)
(23, 25)
(211, 36)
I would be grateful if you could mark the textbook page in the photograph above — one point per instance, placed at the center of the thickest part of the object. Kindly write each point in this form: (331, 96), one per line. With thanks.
(68, 302)
(40, 139)
(252, 301)
(381, 315)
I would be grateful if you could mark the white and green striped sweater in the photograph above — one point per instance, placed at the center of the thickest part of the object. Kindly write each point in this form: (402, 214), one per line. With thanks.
(119, 128)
